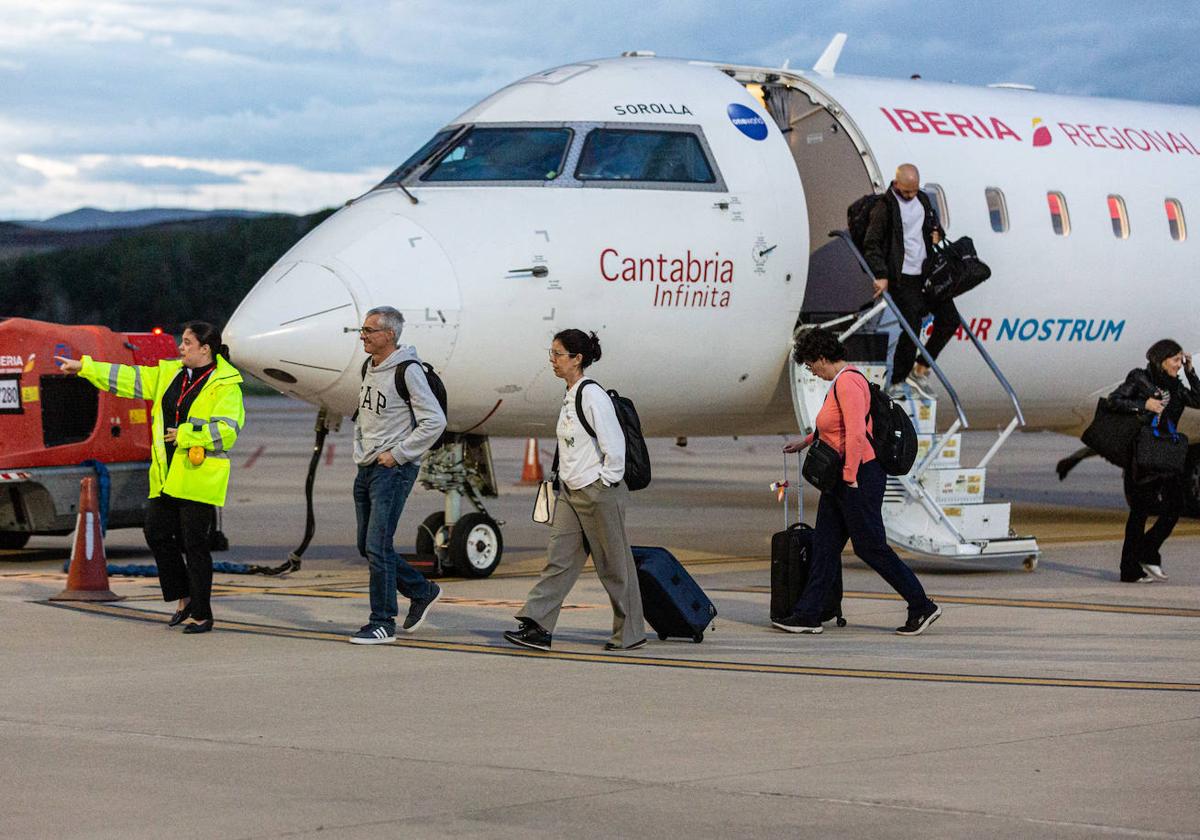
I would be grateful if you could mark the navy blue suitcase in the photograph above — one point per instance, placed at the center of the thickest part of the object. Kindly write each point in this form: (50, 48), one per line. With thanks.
(674, 604)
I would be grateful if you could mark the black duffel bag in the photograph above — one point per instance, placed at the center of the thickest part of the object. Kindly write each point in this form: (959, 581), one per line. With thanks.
(1159, 454)
(1111, 434)
(822, 466)
(955, 269)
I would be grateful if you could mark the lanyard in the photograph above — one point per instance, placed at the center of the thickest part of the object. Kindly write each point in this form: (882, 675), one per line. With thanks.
(187, 389)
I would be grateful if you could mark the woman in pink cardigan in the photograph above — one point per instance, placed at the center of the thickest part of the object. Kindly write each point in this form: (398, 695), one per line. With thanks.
(854, 509)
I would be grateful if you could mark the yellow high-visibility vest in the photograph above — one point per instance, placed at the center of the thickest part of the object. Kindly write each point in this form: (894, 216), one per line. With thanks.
(214, 422)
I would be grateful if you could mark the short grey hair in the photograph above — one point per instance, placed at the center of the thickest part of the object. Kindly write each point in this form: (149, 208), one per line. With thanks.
(391, 318)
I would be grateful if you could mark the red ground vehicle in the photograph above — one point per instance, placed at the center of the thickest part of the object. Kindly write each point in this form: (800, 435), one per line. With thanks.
(50, 423)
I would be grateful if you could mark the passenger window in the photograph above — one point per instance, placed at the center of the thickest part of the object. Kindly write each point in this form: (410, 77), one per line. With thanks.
(1059, 218)
(1119, 216)
(1175, 219)
(503, 154)
(997, 209)
(937, 197)
(619, 154)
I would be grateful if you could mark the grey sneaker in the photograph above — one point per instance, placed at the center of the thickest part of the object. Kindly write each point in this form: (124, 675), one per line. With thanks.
(418, 610)
(373, 634)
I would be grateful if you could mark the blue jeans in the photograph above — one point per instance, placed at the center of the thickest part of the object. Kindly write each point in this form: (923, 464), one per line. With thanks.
(379, 496)
(856, 513)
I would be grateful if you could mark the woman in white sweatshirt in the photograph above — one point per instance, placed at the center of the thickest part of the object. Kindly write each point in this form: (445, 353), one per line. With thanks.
(590, 515)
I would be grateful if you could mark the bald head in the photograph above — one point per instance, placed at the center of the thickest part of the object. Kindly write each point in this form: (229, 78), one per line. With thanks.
(907, 182)
(907, 176)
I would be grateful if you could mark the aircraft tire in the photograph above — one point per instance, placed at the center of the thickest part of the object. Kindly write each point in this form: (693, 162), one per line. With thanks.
(14, 539)
(475, 545)
(1191, 482)
(427, 533)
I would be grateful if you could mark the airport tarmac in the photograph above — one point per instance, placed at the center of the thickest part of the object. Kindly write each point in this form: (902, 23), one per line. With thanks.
(1056, 703)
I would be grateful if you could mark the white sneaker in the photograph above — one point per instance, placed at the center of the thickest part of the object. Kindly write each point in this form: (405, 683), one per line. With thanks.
(1154, 570)
(1146, 579)
(920, 384)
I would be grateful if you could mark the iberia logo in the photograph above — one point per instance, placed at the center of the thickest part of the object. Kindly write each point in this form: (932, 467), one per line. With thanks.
(1041, 133)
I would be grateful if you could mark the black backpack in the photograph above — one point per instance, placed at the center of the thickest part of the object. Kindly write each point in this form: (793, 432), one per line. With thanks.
(637, 457)
(436, 385)
(858, 218)
(893, 437)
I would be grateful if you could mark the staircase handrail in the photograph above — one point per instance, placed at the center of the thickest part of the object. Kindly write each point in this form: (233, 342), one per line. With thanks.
(904, 325)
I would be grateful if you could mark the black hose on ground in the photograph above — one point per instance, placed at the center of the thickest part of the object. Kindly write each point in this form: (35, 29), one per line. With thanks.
(310, 522)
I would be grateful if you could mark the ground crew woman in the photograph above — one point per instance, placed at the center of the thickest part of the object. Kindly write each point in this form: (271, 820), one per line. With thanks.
(196, 419)
(590, 514)
(854, 509)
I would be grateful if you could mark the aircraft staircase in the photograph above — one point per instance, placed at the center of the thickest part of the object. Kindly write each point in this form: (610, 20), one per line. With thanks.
(939, 509)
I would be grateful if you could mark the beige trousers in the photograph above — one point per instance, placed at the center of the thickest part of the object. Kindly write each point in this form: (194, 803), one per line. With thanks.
(591, 517)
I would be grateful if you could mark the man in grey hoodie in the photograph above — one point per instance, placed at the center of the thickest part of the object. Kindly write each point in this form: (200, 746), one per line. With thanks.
(390, 436)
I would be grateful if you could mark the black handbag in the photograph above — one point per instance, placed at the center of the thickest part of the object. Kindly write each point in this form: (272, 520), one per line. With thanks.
(1111, 434)
(822, 466)
(1159, 454)
(956, 269)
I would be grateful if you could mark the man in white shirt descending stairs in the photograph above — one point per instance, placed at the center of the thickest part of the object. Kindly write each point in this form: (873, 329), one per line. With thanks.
(899, 241)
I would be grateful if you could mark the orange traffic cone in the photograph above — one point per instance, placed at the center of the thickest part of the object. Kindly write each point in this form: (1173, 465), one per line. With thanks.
(88, 578)
(531, 473)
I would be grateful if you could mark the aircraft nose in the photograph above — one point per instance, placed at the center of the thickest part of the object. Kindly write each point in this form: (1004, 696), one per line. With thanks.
(290, 330)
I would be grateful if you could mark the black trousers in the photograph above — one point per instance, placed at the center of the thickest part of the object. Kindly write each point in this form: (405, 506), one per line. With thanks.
(856, 514)
(176, 528)
(1164, 495)
(907, 293)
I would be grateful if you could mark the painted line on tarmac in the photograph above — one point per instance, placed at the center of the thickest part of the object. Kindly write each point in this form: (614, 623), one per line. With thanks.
(130, 614)
(975, 600)
(317, 592)
(1025, 603)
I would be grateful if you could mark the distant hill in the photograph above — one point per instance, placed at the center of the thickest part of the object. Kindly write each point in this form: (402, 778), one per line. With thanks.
(129, 279)
(90, 218)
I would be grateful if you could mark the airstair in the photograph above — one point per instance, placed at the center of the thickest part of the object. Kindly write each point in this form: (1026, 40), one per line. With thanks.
(939, 509)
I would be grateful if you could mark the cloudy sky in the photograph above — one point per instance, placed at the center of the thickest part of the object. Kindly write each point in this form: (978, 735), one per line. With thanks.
(294, 106)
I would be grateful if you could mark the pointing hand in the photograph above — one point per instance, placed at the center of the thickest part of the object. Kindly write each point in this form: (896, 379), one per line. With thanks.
(68, 365)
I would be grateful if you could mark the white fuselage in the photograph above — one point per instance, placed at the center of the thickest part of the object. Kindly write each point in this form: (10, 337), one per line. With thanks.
(695, 292)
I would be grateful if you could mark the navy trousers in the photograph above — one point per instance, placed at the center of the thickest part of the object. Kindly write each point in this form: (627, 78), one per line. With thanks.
(856, 513)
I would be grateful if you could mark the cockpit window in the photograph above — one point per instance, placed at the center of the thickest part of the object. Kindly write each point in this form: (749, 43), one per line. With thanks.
(503, 154)
(420, 156)
(619, 154)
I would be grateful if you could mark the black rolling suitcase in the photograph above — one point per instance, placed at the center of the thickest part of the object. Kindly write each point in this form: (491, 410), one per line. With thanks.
(673, 603)
(791, 553)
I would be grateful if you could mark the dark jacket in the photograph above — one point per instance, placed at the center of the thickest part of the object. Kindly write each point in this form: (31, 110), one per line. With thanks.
(883, 246)
(1142, 383)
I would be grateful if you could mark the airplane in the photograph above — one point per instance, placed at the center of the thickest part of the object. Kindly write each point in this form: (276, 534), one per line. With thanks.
(681, 208)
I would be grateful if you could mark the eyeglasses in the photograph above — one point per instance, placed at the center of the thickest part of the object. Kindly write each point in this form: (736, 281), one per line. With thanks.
(555, 353)
(371, 330)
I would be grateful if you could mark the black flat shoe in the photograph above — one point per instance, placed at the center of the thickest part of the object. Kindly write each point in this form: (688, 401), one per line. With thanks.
(180, 616)
(199, 627)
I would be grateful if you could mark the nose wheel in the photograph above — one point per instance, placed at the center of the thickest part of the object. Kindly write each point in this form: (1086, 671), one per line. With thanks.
(472, 546)
(475, 545)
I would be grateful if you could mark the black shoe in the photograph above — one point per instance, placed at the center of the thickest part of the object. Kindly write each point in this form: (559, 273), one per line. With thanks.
(916, 625)
(199, 627)
(529, 636)
(794, 625)
(373, 634)
(634, 646)
(418, 610)
(180, 615)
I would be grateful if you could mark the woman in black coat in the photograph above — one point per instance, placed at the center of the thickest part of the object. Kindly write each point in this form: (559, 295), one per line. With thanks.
(1149, 391)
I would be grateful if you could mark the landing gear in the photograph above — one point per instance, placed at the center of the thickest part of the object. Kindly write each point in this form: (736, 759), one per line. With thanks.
(469, 544)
